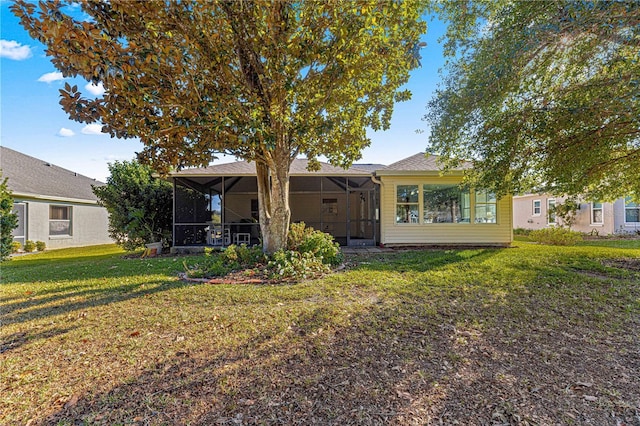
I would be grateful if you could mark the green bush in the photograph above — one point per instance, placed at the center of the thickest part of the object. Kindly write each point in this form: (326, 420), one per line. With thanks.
(556, 236)
(41, 246)
(320, 244)
(29, 246)
(287, 264)
(521, 231)
(233, 258)
(15, 246)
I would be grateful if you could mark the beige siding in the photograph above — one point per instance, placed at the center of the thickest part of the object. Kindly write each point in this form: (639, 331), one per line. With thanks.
(392, 233)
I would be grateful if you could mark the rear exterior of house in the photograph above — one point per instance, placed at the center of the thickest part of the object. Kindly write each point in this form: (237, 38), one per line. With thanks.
(421, 206)
(54, 205)
(360, 206)
(535, 211)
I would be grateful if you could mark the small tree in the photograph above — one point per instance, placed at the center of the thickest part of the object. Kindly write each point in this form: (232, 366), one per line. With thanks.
(8, 219)
(567, 211)
(139, 205)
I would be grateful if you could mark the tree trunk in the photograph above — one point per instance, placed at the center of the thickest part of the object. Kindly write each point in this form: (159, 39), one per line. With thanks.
(273, 204)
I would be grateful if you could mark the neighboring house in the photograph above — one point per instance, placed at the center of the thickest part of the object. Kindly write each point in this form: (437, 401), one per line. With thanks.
(535, 211)
(407, 203)
(54, 205)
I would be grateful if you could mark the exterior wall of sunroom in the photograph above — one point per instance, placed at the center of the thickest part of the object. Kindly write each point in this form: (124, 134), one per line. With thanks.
(475, 218)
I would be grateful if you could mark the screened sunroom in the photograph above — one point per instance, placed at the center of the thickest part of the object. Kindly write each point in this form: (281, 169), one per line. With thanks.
(218, 205)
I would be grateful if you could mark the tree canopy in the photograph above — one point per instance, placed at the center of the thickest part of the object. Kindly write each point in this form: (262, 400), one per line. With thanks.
(139, 205)
(542, 95)
(262, 80)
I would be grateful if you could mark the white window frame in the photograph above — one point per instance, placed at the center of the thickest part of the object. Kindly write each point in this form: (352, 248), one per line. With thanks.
(539, 208)
(550, 202)
(594, 208)
(411, 219)
(69, 220)
(627, 201)
(487, 203)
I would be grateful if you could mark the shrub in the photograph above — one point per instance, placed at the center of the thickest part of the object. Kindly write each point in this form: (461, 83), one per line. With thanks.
(286, 264)
(8, 219)
(41, 246)
(233, 258)
(320, 244)
(29, 246)
(557, 236)
(521, 231)
(15, 246)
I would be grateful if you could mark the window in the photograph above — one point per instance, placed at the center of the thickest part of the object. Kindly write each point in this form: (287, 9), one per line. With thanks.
(407, 204)
(631, 211)
(551, 211)
(486, 207)
(445, 204)
(59, 220)
(597, 216)
(537, 207)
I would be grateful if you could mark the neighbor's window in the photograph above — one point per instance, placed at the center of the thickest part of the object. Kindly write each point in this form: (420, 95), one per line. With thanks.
(59, 220)
(445, 204)
(407, 204)
(551, 211)
(631, 211)
(486, 207)
(537, 207)
(596, 213)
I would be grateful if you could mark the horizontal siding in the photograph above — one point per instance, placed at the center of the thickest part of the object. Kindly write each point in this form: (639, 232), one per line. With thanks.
(439, 233)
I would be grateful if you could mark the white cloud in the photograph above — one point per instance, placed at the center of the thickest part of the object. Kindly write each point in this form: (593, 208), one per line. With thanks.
(13, 50)
(66, 133)
(94, 89)
(51, 77)
(92, 129)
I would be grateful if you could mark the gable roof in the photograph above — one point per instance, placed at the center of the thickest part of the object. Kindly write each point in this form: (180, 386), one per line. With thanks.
(419, 163)
(32, 177)
(298, 168)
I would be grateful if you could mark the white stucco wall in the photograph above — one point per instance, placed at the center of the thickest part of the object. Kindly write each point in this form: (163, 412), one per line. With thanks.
(89, 224)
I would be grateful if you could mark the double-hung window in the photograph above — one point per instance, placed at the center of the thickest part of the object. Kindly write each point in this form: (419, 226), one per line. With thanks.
(597, 216)
(537, 207)
(59, 220)
(631, 211)
(407, 204)
(486, 207)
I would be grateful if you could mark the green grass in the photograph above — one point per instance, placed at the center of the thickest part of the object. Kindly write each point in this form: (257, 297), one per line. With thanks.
(91, 337)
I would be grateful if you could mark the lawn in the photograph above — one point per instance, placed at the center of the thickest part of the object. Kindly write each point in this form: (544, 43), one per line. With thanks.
(531, 335)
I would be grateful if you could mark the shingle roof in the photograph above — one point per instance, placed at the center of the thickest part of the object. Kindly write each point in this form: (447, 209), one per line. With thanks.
(298, 168)
(419, 162)
(30, 176)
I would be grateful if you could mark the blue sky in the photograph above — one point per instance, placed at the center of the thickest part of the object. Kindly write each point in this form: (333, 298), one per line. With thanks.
(32, 121)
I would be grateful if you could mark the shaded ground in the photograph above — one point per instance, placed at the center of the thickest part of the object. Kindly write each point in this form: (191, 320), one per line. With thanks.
(476, 337)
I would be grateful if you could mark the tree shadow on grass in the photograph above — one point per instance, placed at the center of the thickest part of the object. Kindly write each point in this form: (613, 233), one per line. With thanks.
(65, 301)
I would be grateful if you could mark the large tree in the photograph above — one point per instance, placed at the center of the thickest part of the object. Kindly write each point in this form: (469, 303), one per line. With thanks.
(542, 95)
(262, 80)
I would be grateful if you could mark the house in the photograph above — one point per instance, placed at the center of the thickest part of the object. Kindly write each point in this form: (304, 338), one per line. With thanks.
(54, 205)
(407, 203)
(535, 211)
